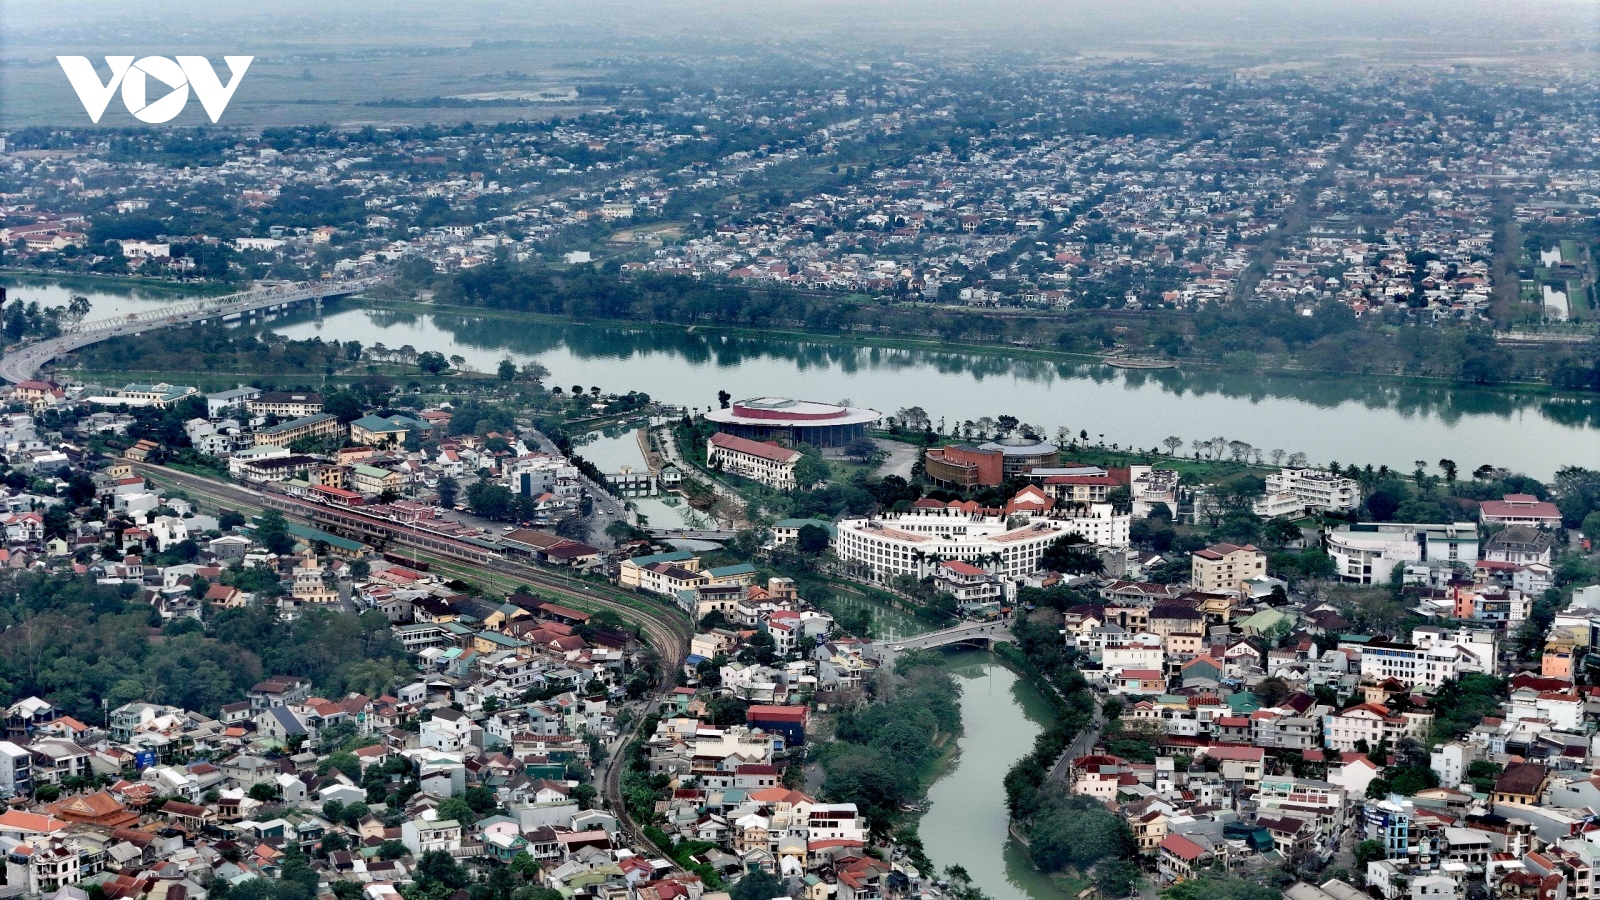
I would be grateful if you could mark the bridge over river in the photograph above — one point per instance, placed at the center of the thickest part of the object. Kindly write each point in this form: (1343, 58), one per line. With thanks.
(985, 634)
(24, 362)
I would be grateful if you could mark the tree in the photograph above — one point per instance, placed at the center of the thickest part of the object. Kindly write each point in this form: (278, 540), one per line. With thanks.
(1172, 443)
(393, 850)
(272, 530)
(1212, 885)
(1450, 468)
(525, 866)
(810, 469)
(1577, 493)
(1117, 877)
(1382, 504)
(812, 539)
(344, 405)
(1281, 533)
(758, 885)
(1271, 690)
(458, 809)
(507, 370)
(343, 760)
(263, 792)
(449, 488)
(432, 362)
(439, 867)
(1370, 851)
(862, 449)
(1072, 554)
(1077, 832)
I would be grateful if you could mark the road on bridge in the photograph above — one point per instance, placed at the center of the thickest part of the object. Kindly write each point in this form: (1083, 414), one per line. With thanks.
(23, 363)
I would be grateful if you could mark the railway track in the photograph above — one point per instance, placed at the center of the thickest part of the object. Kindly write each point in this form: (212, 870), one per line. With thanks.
(666, 630)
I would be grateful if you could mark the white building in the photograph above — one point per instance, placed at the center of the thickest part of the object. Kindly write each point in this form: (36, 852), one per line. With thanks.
(769, 464)
(914, 543)
(1434, 656)
(448, 729)
(145, 250)
(1294, 492)
(1367, 553)
(16, 770)
(1451, 761)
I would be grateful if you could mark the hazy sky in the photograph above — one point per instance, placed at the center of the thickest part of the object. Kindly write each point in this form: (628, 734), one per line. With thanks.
(332, 60)
(1091, 22)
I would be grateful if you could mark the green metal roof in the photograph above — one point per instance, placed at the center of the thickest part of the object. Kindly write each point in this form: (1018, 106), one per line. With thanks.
(312, 535)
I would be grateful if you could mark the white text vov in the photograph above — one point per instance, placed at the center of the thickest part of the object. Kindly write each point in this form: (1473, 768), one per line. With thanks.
(131, 76)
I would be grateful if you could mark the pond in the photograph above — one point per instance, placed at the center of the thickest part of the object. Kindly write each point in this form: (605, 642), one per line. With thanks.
(614, 448)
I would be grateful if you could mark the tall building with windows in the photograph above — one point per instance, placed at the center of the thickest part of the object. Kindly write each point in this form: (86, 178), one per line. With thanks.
(1295, 492)
(1367, 553)
(916, 542)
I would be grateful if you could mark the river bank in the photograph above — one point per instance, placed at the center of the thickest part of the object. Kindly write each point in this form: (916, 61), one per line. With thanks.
(965, 820)
(1352, 420)
(967, 823)
(902, 341)
(897, 340)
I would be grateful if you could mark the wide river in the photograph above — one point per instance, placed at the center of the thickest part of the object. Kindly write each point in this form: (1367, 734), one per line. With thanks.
(1354, 420)
(1351, 420)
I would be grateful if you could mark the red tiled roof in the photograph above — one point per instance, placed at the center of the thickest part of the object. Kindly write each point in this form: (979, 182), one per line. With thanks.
(754, 448)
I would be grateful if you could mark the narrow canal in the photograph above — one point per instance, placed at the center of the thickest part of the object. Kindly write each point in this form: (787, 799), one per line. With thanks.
(966, 823)
(1001, 714)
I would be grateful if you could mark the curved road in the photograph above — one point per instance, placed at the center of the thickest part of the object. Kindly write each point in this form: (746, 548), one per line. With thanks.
(23, 363)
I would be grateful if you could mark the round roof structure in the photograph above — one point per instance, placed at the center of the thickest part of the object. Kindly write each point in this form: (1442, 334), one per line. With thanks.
(1017, 445)
(781, 411)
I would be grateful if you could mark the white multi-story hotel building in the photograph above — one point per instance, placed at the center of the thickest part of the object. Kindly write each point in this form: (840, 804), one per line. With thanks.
(1293, 492)
(914, 543)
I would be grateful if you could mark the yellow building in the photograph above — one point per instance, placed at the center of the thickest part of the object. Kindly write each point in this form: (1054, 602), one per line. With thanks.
(1224, 568)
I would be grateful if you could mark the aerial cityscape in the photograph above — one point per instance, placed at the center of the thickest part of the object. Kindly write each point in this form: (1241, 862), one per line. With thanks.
(665, 450)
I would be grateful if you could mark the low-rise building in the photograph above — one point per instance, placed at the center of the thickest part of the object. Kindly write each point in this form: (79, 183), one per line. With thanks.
(1294, 492)
(321, 426)
(285, 404)
(768, 463)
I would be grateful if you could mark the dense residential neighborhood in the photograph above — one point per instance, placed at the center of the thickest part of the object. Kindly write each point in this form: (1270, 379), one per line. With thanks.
(1260, 669)
(599, 586)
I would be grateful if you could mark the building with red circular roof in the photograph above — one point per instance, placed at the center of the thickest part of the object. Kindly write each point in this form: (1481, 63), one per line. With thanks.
(791, 422)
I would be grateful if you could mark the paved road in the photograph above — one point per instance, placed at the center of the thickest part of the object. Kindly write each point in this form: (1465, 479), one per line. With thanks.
(900, 460)
(669, 449)
(607, 508)
(889, 651)
(1080, 745)
(23, 363)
